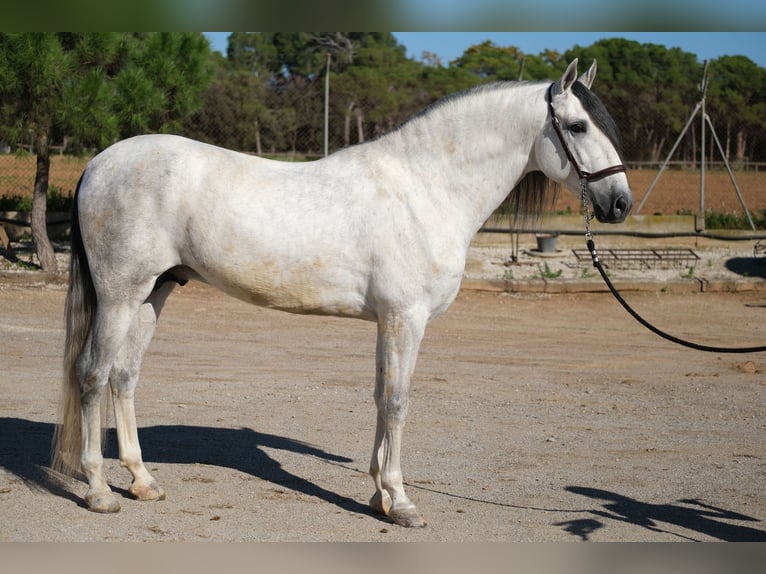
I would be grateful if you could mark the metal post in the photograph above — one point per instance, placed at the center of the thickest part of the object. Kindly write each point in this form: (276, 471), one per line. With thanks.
(327, 105)
(703, 151)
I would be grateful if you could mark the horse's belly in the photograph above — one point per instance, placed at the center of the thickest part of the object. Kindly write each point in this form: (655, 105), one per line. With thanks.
(310, 288)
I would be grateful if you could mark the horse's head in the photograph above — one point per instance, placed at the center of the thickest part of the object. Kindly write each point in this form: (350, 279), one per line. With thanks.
(580, 146)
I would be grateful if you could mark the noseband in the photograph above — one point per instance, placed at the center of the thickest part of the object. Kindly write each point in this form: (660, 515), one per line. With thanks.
(585, 176)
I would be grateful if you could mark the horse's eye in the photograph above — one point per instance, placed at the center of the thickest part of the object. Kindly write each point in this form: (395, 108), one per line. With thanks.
(577, 128)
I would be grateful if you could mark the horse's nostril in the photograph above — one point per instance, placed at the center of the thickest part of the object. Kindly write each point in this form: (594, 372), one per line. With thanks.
(621, 205)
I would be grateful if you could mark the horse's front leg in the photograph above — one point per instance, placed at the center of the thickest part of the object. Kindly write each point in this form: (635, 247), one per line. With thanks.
(399, 337)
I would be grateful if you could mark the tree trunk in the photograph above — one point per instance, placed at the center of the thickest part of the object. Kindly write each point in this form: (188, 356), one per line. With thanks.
(43, 246)
(741, 147)
(258, 149)
(359, 125)
(346, 130)
(347, 125)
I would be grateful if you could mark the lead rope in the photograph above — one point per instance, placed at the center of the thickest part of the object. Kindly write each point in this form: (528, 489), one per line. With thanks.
(597, 264)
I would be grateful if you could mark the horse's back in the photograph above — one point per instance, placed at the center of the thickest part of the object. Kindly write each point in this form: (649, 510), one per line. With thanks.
(247, 225)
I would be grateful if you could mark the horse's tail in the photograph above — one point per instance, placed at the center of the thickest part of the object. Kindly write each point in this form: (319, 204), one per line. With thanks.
(79, 314)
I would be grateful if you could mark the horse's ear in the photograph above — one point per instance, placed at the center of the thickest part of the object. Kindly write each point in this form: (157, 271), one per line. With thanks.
(569, 78)
(588, 77)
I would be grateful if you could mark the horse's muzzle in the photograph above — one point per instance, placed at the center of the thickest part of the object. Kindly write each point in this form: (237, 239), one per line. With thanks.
(618, 208)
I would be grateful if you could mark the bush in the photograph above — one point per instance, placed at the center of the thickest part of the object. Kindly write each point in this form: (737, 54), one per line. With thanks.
(715, 220)
(57, 201)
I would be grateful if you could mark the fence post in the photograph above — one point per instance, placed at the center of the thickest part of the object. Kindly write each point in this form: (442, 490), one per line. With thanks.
(327, 105)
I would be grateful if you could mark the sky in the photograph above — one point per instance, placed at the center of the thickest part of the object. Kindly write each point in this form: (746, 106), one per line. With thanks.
(451, 45)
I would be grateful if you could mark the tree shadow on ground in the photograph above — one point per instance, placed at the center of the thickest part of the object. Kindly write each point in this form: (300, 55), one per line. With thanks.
(689, 514)
(25, 452)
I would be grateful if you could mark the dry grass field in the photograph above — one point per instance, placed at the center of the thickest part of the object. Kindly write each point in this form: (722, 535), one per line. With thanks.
(17, 174)
(679, 191)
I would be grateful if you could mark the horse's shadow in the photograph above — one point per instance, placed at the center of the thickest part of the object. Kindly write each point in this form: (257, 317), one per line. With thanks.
(25, 452)
(689, 514)
(747, 266)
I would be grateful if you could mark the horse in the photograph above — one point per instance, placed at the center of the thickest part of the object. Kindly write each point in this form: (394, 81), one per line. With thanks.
(378, 231)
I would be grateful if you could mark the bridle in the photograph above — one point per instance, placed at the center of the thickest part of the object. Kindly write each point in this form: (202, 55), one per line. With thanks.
(585, 176)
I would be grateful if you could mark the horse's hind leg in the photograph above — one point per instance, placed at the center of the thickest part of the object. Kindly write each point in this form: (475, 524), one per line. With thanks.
(123, 380)
(111, 327)
(399, 337)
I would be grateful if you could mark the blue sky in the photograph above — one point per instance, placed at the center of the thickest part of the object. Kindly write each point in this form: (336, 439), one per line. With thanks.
(450, 45)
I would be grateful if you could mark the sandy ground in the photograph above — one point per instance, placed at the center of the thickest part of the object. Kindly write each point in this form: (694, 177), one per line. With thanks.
(534, 417)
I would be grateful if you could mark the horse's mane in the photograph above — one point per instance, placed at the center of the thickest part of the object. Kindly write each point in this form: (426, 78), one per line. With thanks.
(457, 96)
(534, 193)
(532, 196)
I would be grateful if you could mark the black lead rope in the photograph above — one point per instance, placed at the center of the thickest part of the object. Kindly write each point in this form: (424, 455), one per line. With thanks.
(652, 328)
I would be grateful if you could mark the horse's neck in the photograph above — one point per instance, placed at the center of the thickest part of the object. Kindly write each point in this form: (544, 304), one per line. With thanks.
(473, 151)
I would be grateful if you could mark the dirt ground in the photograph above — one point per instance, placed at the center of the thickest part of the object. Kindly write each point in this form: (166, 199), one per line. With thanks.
(534, 417)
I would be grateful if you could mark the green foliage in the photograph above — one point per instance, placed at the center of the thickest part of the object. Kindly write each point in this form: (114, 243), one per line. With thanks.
(714, 220)
(547, 273)
(738, 93)
(161, 82)
(488, 61)
(718, 220)
(56, 201)
(95, 87)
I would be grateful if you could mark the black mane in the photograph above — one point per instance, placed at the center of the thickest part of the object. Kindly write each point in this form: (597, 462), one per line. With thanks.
(599, 115)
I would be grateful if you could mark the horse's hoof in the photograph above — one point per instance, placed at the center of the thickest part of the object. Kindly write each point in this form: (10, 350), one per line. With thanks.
(151, 491)
(408, 517)
(104, 502)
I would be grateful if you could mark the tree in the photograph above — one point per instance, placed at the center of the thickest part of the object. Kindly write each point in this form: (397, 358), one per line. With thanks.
(375, 88)
(491, 62)
(234, 113)
(737, 100)
(91, 88)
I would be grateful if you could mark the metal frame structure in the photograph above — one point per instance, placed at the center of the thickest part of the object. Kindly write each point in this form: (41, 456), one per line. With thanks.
(705, 119)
